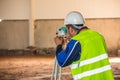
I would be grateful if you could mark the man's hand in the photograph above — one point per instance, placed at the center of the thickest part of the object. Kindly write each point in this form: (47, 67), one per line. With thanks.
(59, 41)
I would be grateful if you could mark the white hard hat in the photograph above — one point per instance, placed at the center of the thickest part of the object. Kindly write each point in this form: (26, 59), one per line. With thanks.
(74, 18)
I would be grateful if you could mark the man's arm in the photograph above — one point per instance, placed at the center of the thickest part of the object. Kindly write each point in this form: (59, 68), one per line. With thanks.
(71, 53)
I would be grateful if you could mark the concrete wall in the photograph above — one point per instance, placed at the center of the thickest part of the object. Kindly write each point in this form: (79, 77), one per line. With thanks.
(14, 34)
(109, 28)
(45, 31)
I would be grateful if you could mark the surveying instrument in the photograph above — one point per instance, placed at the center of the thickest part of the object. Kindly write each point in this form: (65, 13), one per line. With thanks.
(57, 70)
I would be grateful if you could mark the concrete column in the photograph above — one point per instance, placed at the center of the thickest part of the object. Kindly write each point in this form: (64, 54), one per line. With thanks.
(31, 24)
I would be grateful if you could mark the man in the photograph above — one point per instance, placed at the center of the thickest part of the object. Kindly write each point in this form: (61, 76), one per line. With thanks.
(85, 52)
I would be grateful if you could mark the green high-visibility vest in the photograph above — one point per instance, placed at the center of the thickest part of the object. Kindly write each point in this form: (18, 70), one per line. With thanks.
(93, 63)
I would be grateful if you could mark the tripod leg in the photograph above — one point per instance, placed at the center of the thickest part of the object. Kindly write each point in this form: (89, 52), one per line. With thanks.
(60, 73)
(53, 71)
(56, 70)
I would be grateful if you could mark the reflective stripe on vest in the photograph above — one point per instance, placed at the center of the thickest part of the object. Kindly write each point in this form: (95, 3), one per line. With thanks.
(91, 72)
(89, 61)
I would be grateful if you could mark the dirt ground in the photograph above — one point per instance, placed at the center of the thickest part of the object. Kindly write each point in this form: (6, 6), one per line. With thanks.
(36, 68)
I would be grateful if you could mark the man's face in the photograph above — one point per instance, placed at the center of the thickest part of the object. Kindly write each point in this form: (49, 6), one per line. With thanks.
(71, 32)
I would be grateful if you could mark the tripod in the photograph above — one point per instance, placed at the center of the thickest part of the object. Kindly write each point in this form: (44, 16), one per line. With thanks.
(57, 71)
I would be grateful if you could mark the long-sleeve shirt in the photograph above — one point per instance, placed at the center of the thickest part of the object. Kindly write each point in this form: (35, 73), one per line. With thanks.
(71, 53)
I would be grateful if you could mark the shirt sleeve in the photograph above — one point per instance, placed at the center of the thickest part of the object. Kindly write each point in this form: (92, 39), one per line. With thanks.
(71, 53)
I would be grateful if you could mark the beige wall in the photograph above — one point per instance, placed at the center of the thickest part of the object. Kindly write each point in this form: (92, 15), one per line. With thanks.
(101, 15)
(14, 9)
(57, 9)
(14, 34)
